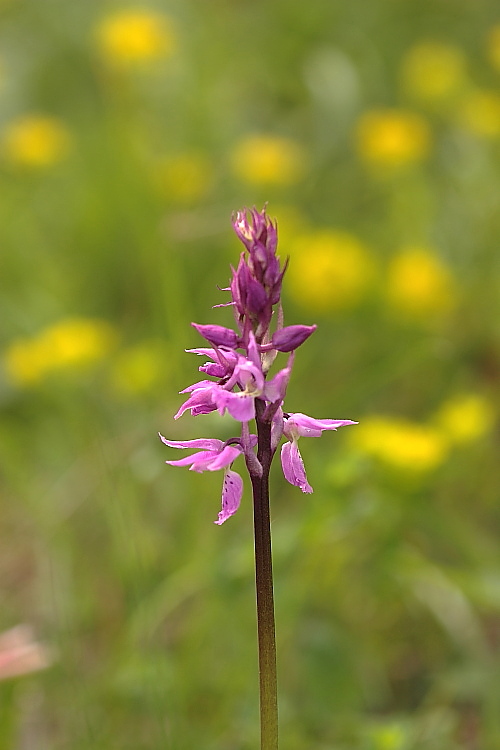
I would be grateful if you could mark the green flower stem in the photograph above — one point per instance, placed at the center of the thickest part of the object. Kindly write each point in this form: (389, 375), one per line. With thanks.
(264, 588)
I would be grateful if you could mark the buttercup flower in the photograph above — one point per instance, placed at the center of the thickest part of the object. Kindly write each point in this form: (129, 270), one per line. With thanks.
(401, 444)
(268, 160)
(35, 141)
(419, 284)
(239, 362)
(466, 417)
(70, 344)
(329, 270)
(128, 37)
(433, 71)
(392, 137)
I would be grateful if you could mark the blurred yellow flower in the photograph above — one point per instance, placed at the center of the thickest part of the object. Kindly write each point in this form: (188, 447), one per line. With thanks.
(25, 361)
(186, 177)
(432, 71)
(69, 344)
(493, 46)
(480, 113)
(329, 270)
(392, 137)
(268, 160)
(139, 368)
(126, 37)
(400, 443)
(35, 141)
(419, 284)
(390, 736)
(466, 418)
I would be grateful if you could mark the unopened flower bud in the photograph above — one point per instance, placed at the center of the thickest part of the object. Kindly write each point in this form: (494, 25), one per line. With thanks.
(289, 338)
(218, 335)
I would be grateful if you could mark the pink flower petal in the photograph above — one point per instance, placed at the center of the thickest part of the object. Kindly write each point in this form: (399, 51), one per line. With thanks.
(293, 467)
(208, 444)
(197, 461)
(241, 406)
(306, 426)
(225, 457)
(200, 399)
(232, 491)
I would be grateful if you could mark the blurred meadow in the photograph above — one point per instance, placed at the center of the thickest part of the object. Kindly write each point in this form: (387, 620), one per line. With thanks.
(128, 135)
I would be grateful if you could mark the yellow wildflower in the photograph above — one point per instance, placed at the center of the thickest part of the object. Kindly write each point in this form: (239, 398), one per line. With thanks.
(493, 46)
(466, 418)
(330, 270)
(126, 37)
(139, 368)
(400, 443)
(392, 137)
(186, 177)
(432, 71)
(268, 160)
(419, 284)
(25, 361)
(35, 141)
(390, 736)
(69, 344)
(480, 113)
(77, 341)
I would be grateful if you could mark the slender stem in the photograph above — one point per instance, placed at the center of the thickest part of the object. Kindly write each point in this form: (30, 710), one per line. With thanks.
(264, 588)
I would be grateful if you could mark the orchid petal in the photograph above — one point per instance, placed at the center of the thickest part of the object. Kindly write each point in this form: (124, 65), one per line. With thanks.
(197, 461)
(241, 406)
(201, 399)
(209, 444)
(225, 457)
(293, 466)
(299, 424)
(232, 491)
(275, 388)
(197, 386)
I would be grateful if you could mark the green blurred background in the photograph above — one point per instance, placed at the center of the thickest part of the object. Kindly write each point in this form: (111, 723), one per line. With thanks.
(128, 135)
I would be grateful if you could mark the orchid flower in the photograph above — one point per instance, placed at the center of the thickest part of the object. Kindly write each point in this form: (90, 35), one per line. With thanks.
(215, 455)
(300, 425)
(238, 365)
(240, 360)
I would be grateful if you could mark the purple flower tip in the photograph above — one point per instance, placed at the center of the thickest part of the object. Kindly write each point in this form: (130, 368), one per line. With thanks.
(218, 335)
(289, 338)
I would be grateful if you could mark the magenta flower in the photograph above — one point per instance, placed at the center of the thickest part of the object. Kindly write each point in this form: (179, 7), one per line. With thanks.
(237, 378)
(215, 455)
(300, 425)
(240, 360)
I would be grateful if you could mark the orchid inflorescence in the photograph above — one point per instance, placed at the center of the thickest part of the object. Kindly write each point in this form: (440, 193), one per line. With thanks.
(240, 362)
